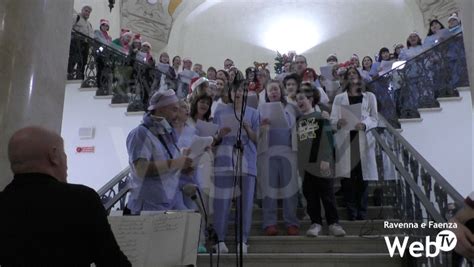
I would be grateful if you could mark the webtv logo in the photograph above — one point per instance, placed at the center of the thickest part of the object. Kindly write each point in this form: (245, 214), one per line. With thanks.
(445, 241)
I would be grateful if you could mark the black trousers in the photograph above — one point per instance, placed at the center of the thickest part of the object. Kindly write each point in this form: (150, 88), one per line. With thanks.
(78, 53)
(315, 190)
(355, 191)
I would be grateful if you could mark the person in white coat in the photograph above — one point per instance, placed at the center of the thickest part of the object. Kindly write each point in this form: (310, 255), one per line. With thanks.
(355, 148)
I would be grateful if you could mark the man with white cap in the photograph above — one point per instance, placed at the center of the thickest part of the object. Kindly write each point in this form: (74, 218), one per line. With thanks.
(155, 161)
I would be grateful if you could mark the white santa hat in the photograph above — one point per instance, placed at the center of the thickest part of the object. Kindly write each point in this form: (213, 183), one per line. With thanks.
(454, 16)
(195, 82)
(147, 44)
(124, 32)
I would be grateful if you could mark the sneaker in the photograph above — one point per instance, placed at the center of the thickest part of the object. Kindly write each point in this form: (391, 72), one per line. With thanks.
(244, 248)
(314, 230)
(271, 230)
(336, 230)
(292, 230)
(202, 249)
(221, 248)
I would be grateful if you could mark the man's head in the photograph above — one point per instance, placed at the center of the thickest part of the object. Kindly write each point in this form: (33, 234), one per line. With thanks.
(301, 64)
(197, 68)
(228, 63)
(86, 12)
(164, 104)
(37, 150)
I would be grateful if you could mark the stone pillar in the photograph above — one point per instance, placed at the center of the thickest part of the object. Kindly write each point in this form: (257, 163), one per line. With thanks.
(467, 10)
(34, 48)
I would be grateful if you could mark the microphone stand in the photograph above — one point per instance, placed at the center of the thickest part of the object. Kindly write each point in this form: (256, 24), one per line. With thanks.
(238, 178)
(211, 235)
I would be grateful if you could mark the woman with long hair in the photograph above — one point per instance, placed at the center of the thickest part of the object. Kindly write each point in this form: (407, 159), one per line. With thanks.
(355, 148)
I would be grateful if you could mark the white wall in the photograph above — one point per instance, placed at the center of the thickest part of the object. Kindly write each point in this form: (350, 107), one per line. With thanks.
(100, 10)
(237, 29)
(111, 130)
(445, 139)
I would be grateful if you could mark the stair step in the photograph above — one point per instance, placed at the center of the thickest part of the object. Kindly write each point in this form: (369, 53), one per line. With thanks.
(305, 260)
(103, 96)
(430, 109)
(382, 212)
(356, 228)
(135, 113)
(120, 105)
(74, 81)
(454, 98)
(88, 89)
(464, 88)
(411, 120)
(320, 244)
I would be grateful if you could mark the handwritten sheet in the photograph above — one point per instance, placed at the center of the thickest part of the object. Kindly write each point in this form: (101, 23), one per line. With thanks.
(159, 239)
(205, 128)
(274, 112)
(352, 114)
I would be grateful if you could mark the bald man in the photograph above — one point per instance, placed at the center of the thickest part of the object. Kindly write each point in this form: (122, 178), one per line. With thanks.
(44, 220)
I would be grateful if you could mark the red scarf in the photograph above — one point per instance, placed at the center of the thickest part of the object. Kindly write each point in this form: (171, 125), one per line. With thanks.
(107, 37)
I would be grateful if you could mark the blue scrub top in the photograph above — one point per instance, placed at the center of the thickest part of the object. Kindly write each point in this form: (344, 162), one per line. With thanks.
(154, 192)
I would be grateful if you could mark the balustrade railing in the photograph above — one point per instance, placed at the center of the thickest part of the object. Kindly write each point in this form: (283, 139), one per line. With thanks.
(421, 193)
(112, 72)
(418, 82)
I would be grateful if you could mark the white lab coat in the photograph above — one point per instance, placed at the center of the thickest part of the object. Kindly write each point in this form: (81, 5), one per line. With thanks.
(369, 117)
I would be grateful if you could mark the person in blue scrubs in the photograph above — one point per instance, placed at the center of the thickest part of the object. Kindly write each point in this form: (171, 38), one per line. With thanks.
(156, 163)
(225, 160)
(278, 176)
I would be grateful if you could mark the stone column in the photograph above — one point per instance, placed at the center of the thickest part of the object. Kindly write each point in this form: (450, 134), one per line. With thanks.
(467, 10)
(34, 45)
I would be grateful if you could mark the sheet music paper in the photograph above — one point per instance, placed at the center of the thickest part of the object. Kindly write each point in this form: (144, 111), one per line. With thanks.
(274, 112)
(158, 239)
(205, 128)
(352, 114)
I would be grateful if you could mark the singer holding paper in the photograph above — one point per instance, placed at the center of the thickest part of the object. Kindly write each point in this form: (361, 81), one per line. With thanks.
(355, 145)
(225, 155)
(155, 161)
(277, 169)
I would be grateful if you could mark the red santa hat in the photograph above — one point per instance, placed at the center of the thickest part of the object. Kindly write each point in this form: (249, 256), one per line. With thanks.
(195, 82)
(137, 38)
(104, 21)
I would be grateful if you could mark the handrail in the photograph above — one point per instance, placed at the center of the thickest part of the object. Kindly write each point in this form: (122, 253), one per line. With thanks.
(455, 195)
(117, 178)
(422, 54)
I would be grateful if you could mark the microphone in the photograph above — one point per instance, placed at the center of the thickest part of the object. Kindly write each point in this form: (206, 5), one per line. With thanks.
(190, 191)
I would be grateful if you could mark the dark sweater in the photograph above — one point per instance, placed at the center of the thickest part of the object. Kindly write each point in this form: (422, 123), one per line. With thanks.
(45, 222)
(315, 143)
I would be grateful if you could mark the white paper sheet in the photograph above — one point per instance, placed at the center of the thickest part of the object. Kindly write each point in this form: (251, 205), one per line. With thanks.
(326, 72)
(252, 101)
(199, 146)
(385, 66)
(274, 112)
(352, 114)
(205, 128)
(158, 240)
(229, 120)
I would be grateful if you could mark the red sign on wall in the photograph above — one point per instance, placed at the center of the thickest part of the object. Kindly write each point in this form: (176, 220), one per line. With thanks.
(85, 149)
